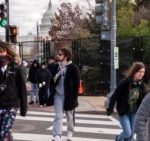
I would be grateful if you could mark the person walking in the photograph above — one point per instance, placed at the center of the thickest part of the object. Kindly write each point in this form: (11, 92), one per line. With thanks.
(13, 92)
(128, 96)
(142, 122)
(66, 84)
(34, 82)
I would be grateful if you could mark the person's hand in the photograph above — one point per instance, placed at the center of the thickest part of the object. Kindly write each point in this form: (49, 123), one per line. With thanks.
(43, 83)
(40, 85)
(108, 112)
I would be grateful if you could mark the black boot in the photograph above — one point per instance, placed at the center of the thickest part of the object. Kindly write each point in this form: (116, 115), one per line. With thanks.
(116, 139)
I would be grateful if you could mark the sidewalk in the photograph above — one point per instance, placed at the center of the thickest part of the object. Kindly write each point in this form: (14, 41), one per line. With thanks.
(91, 103)
(86, 103)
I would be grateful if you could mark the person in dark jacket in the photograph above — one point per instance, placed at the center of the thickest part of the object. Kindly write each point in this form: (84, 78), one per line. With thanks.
(44, 77)
(66, 81)
(34, 82)
(128, 96)
(13, 92)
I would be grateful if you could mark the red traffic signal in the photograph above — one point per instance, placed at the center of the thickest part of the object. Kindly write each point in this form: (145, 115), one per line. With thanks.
(13, 30)
(13, 33)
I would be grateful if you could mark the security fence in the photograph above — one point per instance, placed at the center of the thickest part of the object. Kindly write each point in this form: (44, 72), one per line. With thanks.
(92, 55)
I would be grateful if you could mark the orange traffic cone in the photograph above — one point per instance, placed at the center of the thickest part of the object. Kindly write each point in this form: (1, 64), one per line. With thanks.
(81, 89)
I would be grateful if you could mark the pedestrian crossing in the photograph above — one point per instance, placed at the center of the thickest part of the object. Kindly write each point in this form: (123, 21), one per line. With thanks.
(37, 126)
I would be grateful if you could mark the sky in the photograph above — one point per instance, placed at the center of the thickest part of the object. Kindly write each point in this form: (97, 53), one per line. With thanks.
(26, 13)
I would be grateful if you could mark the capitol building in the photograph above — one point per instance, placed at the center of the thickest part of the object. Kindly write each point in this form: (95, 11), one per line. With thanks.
(42, 28)
(46, 22)
(29, 48)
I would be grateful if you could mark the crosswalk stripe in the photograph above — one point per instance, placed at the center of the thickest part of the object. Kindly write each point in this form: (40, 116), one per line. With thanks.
(93, 130)
(37, 137)
(77, 114)
(90, 127)
(84, 121)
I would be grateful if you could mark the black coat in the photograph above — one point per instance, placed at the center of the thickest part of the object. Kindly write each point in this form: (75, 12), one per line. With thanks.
(71, 86)
(33, 72)
(43, 75)
(121, 96)
(15, 94)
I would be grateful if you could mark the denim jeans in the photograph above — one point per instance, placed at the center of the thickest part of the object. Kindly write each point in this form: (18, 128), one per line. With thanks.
(34, 92)
(58, 119)
(126, 122)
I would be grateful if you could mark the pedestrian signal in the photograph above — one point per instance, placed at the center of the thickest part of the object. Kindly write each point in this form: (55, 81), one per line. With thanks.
(81, 89)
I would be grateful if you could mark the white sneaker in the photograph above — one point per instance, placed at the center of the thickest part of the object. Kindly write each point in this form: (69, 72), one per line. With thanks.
(69, 136)
(57, 138)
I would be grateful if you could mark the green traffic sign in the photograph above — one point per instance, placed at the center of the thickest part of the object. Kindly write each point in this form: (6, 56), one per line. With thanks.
(3, 22)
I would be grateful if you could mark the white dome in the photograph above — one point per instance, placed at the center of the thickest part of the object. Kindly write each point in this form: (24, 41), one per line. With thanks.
(46, 21)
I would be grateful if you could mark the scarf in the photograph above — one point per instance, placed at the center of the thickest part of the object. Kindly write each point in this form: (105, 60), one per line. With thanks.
(62, 70)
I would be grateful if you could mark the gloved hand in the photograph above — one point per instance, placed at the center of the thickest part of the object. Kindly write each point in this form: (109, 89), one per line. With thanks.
(108, 112)
(43, 83)
(40, 85)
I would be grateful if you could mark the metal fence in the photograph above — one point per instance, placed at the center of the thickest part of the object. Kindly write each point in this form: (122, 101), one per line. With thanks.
(93, 57)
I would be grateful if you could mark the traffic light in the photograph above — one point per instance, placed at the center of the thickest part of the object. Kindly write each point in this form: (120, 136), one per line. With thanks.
(13, 33)
(3, 15)
(101, 12)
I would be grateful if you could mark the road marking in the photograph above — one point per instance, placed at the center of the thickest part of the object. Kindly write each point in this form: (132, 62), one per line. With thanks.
(84, 121)
(77, 114)
(94, 124)
(93, 130)
(37, 137)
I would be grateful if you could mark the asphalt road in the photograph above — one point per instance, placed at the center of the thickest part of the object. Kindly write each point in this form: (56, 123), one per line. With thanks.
(91, 125)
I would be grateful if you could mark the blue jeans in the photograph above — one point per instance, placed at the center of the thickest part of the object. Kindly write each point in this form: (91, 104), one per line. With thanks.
(126, 122)
(34, 92)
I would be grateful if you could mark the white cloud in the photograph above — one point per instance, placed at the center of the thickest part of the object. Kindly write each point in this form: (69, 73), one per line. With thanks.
(26, 13)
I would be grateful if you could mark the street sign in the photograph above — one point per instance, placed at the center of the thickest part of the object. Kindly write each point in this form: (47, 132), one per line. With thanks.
(116, 57)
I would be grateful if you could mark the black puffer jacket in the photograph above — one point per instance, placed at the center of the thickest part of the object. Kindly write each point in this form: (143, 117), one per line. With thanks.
(15, 94)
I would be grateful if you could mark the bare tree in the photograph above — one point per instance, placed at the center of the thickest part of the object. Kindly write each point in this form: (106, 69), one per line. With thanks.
(67, 23)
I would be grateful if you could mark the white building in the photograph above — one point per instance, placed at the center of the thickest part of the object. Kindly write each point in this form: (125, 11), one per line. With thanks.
(46, 22)
(42, 29)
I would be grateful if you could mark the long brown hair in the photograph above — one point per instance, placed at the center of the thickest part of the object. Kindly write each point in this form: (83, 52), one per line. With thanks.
(135, 67)
(67, 52)
(4, 46)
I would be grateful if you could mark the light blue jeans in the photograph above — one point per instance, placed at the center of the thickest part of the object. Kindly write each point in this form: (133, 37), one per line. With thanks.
(34, 92)
(126, 122)
(58, 119)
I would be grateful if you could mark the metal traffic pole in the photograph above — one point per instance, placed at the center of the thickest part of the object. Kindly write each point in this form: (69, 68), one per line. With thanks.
(113, 45)
(7, 27)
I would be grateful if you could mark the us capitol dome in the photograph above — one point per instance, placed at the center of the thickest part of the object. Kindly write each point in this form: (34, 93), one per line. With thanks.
(45, 25)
